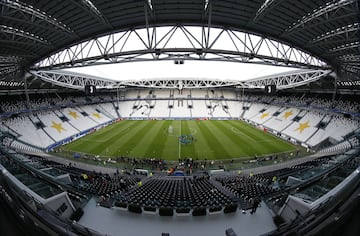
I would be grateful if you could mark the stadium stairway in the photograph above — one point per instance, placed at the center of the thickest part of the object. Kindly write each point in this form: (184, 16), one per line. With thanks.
(152, 104)
(89, 117)
(135, 107)
(225, 108)
(34, 132)
(170, 106)
(247, 105)
(190, 105)
(105, 112)
(325, 120)
(19, 145)
(222, 189)
(254, 111)
(287, 126)
(290, 123)
(116, 109)
(311, 119)
(59, 113)
(312, 135)
(338, 148)
(42, 128)
(207, 101)
(80, 121)
(49, 119)
(12, 142)
(10, 130)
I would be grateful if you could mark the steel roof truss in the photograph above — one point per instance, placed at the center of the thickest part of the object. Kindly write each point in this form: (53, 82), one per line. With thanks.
(325, 10)
(288, 80)
(282, 81)
(111, 48)
(31, 14)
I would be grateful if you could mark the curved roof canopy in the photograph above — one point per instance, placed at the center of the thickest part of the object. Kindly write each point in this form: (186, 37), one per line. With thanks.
(327, 30)
(282, 80)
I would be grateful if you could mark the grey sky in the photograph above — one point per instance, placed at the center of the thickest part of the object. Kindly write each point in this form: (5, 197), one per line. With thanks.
(190, 69)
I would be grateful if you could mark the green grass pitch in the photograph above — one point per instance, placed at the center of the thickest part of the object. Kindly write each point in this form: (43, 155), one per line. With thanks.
(213, 140)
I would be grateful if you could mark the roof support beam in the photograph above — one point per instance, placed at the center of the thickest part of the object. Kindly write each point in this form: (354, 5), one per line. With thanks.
(72, 80)
(288, 80)
(78, 81)
(345, 31)
(350, 57)
(162, 43)
(323, 11)
(22, 34)
(89, 6)
(33, 12)
(282, 81)
(265, 8)
(344, 47)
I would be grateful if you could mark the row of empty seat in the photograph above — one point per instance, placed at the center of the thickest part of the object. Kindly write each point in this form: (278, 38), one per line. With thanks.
(304, 126)
(45, 128)
(178, 192)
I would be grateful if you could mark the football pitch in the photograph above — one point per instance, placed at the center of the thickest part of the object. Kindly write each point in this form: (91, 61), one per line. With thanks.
(174, 139)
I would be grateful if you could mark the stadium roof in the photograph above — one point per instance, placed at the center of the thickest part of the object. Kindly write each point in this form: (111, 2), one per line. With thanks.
(328, 30)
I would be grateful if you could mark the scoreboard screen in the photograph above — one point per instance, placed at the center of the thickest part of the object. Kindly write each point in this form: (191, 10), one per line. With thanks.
(90, 89)
(270, 89)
